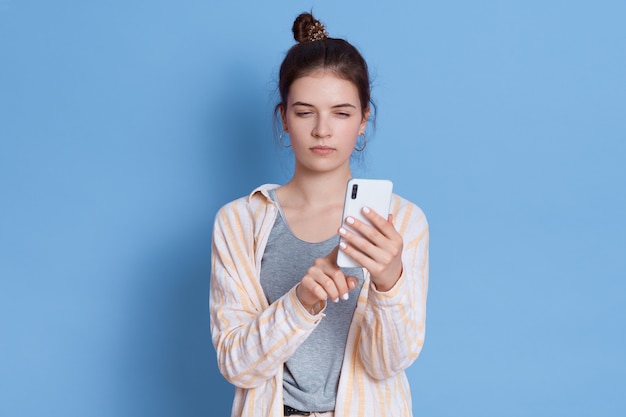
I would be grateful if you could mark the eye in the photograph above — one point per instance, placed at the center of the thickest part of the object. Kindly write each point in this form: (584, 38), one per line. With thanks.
(343, 115)
(303, 113)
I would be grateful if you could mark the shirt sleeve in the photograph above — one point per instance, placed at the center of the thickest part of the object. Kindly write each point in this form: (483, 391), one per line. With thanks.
(393, 331)
(252, 339)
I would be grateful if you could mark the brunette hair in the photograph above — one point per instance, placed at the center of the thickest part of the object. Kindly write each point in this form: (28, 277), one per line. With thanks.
(314, 51)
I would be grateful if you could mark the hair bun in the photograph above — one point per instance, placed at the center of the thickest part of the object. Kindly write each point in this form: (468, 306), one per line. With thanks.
(306, 28)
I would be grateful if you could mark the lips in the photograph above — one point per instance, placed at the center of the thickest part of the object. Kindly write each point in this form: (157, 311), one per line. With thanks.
(322, 150)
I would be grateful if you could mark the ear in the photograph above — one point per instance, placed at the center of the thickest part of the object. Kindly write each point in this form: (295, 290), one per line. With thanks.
(366, 117)
(283, 118)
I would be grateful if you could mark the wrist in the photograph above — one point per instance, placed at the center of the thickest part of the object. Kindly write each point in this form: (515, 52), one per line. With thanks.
(311, 308)
(382, 288)
(316, 308)
(386, 284)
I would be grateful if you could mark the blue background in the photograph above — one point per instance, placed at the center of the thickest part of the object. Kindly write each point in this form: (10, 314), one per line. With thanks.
(124, 125)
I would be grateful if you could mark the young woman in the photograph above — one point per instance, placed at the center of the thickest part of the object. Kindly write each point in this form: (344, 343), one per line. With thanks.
(296, 334)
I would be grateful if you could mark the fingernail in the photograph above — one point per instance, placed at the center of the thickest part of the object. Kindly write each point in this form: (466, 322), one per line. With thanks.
(342, 231)
(350, 220)
(342, 245)
(366, 209)
(352, 285)
(345, 296)
(336, 300)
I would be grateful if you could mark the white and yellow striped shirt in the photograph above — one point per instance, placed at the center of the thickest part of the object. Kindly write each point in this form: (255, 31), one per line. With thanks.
(253, 339)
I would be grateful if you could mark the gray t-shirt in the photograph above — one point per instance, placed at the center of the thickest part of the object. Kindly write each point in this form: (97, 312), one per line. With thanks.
(312, 373)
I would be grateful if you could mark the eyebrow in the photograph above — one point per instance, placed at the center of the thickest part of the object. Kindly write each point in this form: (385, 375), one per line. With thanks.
(336, 106)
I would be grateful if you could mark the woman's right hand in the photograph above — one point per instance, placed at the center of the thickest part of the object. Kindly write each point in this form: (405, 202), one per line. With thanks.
(324, 280)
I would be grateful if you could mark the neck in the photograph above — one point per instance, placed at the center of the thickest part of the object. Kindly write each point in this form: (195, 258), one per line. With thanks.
(319, 189)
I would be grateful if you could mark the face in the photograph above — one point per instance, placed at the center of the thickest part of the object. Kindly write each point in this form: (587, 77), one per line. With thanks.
(323, 118)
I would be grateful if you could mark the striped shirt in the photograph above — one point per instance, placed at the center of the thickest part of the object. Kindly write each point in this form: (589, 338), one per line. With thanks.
(253, 339)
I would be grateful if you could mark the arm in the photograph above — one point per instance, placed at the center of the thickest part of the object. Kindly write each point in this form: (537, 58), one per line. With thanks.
(392, 333)
(252, 339)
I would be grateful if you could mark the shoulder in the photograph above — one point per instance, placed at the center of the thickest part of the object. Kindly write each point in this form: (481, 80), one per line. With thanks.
(400, 205)
(246, 209)
(257, 198)
(407, 215)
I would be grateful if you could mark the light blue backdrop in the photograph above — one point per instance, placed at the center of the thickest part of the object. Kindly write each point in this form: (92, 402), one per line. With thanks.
(124, 125)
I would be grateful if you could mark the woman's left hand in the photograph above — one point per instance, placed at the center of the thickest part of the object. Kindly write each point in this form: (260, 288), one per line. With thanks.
(378, 248)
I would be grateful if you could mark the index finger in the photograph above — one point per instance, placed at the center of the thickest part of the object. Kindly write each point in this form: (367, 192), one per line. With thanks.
(385, 226)
(334, 272)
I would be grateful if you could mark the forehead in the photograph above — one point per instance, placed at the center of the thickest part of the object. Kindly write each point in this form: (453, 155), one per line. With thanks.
(323, 88)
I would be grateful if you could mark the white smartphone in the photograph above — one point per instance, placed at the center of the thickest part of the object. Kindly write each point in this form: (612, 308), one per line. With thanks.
(361, 192)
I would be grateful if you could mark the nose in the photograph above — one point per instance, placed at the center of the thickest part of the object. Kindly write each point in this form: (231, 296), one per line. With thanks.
(321, 128)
